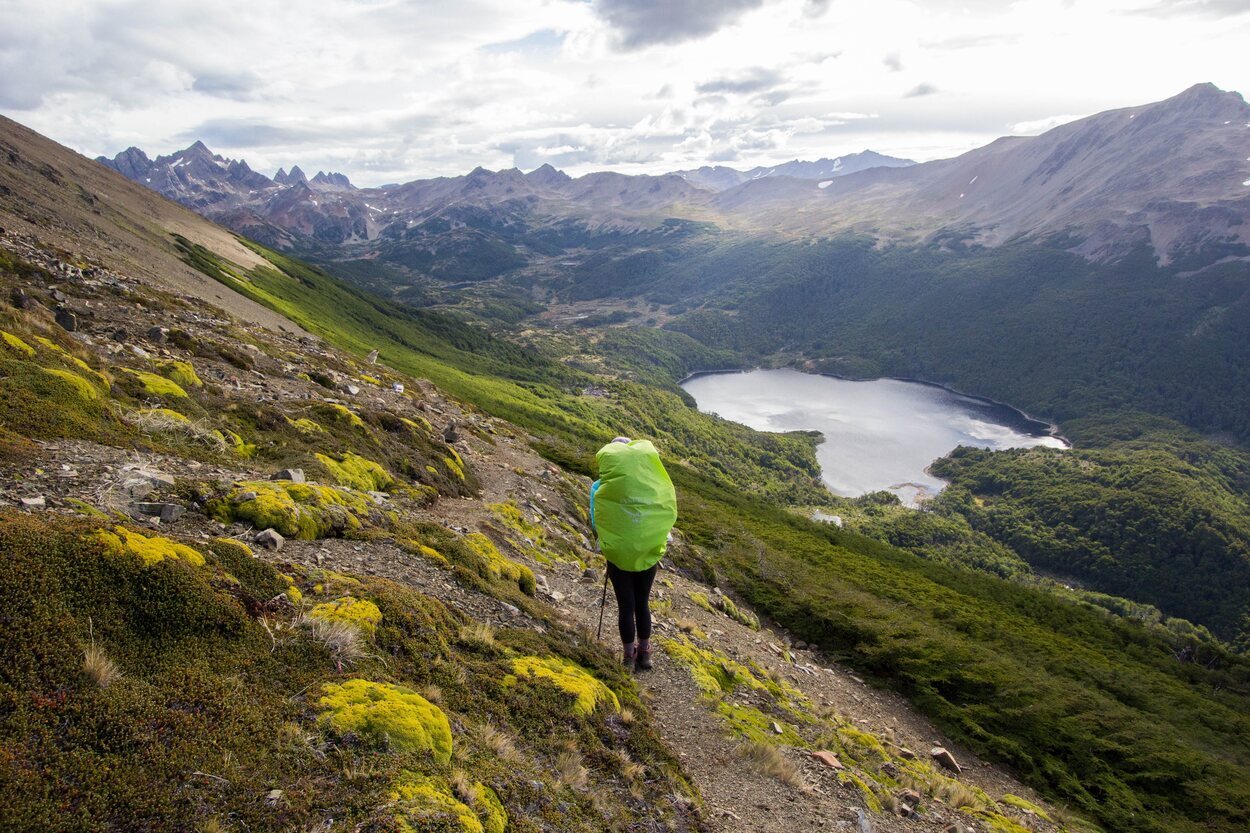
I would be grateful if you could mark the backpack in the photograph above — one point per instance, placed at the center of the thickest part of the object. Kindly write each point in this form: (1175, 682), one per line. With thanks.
(635, 505)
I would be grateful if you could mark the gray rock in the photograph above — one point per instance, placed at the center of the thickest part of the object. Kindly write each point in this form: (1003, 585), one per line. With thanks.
(351, 390)
(66, 319)
(373, 357)
(21, 300)
(157, 334)
(865, 825)
(269, 539)
(294, 475)
(167, 512)
(246, 496)
(59, 296)
(37, 502)
(590, 574)
(451, 433)
(945, 759)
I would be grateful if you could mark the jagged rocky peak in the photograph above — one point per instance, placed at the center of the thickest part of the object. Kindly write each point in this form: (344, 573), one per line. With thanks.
(331, 182)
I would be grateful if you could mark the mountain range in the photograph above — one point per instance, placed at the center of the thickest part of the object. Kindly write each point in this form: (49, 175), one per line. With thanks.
(1171, 175)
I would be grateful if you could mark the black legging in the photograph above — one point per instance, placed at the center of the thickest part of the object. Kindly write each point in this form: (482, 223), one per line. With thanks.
(633, 596)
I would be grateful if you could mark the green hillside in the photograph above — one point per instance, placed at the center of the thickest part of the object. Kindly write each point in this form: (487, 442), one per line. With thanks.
(1091, 707)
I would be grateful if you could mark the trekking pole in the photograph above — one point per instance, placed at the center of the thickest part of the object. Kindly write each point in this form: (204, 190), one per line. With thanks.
(602, 604)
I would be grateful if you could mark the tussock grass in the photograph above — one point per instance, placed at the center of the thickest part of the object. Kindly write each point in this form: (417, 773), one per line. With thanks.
(342, 639)
(767, 759)
(99, 667)
(570, 769)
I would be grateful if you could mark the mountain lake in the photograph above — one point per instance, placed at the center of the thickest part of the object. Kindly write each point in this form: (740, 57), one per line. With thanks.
(879, 434)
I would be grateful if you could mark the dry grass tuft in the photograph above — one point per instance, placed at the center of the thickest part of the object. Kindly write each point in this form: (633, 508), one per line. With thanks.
(464, 787)
(99, 667)
(627, 715)
(198, 431)
(766, 759)
(570, 770)
(498, 741)
(341, 639)
(480, 635)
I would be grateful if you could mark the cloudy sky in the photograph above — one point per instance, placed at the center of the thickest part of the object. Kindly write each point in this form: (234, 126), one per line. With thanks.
(392, 90)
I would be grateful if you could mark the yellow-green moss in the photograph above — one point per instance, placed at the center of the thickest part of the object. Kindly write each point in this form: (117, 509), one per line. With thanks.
(421, 424)
(373, 380)
(713, 672)
(341, 413)
(866, 792)
(511, 516)
(238, 445)
(239, 548)
(122, 541)
(101, 378)
(752, 724)
(587, 691)
(85, 508)
(736, 613)
(358, 472)
(294, 595)
(702, 601)
(181, 373)
(156, 385)
(297, 510)
(454, 467)
(82, 388)
(387, 715)
(422, 803)
(500, 567)
(490, 810)
(359, 613)
(17, 345)
(1024, 804)
(305, 425)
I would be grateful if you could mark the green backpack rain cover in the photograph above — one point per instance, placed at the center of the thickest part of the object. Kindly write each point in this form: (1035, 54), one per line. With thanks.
(635, 505)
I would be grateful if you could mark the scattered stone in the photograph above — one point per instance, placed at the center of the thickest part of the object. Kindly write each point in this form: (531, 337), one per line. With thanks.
(167, 512)
(372, 358)
(590, 574)
(910, 798)
(157, 334)
(800, 645)
(59, 296)
(906, 754)
(66, 319)
(451, 433)
(350, 389)
(865, 825)
(777, 730)
(945, 759)
(246, 496)
(294, 475)
(37, 502)
(270, 539)
(513, 609)
(21, 300)
(828, 759)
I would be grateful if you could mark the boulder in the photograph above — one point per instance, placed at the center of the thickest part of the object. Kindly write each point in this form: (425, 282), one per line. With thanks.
(828, 759)
(945, 759)
(66, 319)
(167, 512)
(372, 357)
(36, 502)
(451, 433)
(157, 335)
(293, 475)
(270, 539)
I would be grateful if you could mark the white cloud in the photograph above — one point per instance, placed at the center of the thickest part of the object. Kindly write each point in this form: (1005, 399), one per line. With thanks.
(386, 90)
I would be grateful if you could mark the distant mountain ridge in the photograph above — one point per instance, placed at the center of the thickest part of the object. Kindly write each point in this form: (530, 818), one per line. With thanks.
(1173, 176)
(720, 178)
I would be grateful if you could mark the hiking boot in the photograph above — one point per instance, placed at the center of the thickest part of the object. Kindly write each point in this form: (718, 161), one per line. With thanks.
(630, 654)
(643, 661)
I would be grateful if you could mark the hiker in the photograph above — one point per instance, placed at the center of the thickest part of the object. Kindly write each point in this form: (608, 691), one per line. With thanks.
(632, 508)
